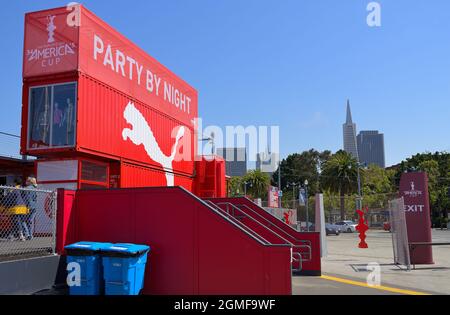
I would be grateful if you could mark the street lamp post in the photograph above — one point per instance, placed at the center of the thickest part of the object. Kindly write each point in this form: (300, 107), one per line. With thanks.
(279, 183)
(359, 204)
(306, 204)
(293, 193)
(210, 139)
(359, 191)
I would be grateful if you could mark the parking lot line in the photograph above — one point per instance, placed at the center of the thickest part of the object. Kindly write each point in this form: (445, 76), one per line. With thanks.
(381, 287)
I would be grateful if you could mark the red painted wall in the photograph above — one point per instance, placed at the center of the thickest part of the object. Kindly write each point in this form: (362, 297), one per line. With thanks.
(195, 250)
(65, 219)
(312, 267)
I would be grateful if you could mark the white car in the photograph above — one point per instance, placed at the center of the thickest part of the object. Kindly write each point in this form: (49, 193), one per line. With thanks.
(347, 226)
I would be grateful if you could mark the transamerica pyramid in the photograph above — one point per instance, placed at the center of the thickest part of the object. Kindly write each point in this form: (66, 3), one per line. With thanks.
(349, 132)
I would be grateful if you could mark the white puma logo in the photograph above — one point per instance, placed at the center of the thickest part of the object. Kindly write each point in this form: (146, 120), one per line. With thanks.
(142, 134)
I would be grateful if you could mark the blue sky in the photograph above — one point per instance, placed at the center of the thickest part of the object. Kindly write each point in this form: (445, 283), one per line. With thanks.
(287, 63)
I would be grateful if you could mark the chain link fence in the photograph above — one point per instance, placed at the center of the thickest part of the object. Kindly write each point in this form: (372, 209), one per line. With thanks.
(27, 222)
(341, 208)
(344, 208)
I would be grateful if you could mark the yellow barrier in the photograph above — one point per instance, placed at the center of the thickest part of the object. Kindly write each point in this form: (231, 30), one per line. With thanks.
(14, 210)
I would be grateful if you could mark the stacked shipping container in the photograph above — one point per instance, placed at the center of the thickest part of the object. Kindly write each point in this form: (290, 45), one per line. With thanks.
(89, 92)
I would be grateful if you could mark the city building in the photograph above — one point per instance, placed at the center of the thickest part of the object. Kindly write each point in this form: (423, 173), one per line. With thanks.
(235, 160)
(266, 162)
(349, 133)
(371, 147)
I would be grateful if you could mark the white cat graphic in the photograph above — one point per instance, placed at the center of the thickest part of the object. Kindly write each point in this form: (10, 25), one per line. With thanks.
(142, 134)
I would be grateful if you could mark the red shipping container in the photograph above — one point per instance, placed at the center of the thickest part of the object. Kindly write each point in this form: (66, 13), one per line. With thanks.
(210, 178)
(140, 176)
(90, 90)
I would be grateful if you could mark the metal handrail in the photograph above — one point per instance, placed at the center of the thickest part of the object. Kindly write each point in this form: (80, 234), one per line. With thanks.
(26, 189)
(234, 218)
(262, 239)
(299, 254)
(309, 252)
(289, 227)
(271, 223)
(308, 243)
(231, 220)
(248, 216)
(300, 264)
(301, 259)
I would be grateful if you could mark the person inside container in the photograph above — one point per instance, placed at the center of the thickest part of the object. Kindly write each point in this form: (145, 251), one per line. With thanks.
(58, 116)
(30, 198)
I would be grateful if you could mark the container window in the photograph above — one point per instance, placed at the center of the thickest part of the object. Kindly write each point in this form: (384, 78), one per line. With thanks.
(40, 114)
(63, 115)
(52, 116)
(94, 172)
(65, 170)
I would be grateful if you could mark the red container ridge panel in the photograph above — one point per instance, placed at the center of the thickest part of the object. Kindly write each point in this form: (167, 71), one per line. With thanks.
(104, 116)
(139, 176)
(311, 267)
(210, 178)
(195, 249)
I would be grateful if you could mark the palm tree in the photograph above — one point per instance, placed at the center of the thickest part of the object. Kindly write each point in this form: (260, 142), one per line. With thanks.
(258, 183)
(235, 186)
(340, 175)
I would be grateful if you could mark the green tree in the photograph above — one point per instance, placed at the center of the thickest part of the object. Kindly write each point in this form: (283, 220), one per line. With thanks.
(298, 167)
(377, 186)
(235, 187)
(437, 165)
(258, 183)
(431, 167)
(339, 175)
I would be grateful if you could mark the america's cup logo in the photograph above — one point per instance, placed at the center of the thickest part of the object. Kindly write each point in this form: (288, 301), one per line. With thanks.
(51, 28)
(51, 53)
(413, 192)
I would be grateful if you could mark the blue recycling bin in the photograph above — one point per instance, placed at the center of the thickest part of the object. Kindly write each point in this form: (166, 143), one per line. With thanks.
(124, 268)
(87, 255)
